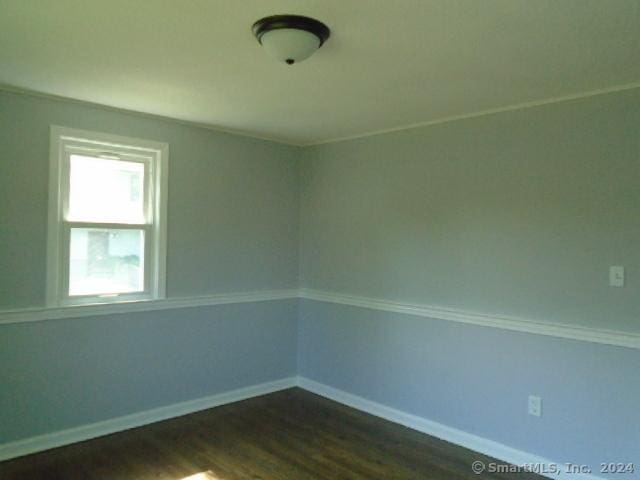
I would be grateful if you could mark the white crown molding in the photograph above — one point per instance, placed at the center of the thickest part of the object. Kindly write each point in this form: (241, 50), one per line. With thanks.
(399, 128)
(573, 332)
(50, 96)
(44, 313)
(98, 429)
(453, 435)
(479, 113)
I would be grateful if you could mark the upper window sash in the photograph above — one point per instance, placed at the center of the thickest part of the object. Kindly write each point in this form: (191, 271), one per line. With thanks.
(147, 164)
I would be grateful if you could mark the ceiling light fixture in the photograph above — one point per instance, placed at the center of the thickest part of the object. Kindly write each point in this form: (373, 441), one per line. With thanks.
(290, 38)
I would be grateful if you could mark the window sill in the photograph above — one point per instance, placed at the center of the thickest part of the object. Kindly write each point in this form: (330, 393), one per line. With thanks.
(75, 311)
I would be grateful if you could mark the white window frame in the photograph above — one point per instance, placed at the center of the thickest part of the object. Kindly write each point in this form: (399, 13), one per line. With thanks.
(65, 141)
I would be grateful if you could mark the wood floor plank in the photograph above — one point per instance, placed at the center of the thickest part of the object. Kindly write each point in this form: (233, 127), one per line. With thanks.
(292, 435)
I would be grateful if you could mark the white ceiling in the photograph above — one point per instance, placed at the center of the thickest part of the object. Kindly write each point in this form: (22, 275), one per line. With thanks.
(388, 64)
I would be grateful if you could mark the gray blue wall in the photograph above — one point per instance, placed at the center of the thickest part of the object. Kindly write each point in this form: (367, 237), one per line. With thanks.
(59, 374)
(519, 213)
(232, 227)
(232, 209)
(477, 379)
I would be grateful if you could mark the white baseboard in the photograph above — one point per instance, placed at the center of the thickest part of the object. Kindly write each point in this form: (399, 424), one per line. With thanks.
(106, 427)
(467, 440)
(449, 434)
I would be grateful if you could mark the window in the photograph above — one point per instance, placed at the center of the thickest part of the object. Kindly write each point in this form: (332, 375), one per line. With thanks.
(107, 218)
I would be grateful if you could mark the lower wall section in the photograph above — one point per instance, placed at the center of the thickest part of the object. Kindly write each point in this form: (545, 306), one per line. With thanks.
(61, 374)
(475, 381)
(478, 444)
(67, 380)
(106, 427)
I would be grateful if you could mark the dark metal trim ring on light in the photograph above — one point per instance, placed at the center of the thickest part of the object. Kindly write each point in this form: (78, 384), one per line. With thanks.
(297, 22)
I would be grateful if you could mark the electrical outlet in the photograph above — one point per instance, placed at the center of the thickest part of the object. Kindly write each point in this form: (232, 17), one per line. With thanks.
(535, 406)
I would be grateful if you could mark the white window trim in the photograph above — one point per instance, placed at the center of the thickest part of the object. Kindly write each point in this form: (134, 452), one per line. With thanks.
(57, 272)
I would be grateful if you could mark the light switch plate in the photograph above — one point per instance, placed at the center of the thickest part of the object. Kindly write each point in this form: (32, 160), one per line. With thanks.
(616, 276)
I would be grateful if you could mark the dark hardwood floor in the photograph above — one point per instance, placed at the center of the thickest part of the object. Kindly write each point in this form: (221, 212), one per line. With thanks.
(291, 434)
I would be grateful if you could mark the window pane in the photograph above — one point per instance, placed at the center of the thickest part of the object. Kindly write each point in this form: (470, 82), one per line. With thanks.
(106, 261)
(104, 190)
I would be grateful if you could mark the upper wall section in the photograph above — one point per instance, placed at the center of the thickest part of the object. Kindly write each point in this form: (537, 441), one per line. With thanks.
(232, 209)
(519, 213)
